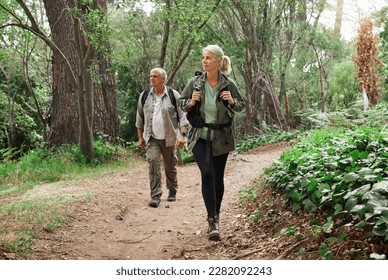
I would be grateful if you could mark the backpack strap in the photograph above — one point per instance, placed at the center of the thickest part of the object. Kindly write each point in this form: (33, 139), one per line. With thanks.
(144, 96)
(173, 101)
(170, 92)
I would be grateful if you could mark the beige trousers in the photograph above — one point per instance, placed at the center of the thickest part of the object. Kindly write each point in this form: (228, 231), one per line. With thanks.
(155, 149)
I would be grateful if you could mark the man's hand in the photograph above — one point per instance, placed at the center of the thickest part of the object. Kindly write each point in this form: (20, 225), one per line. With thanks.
(180, 142)
(142, 143)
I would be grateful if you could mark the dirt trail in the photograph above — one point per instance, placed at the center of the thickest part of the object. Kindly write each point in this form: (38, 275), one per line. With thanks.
(117, 223)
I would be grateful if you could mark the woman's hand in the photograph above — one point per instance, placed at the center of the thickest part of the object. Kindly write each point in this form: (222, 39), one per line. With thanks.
(196, 96)
(227, 96)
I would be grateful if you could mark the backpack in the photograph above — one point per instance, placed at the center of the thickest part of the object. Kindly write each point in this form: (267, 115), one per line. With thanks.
(170, 94)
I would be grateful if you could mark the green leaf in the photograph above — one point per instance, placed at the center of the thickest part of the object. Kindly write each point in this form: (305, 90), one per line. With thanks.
(351, 177)
(365, 171)
(375, 198)
(312, 186)
(327, 177)
(370, 178)
(296, 207)
(342, 237)
(362, 190)
(351, 203)
(328, 226)
(360, 209)
(293, 166)
(325, 252)
(338, 208)
(323, 189)
(379, 209)
(296, 196)
(381, 187)
(359, 155)
(380, 229)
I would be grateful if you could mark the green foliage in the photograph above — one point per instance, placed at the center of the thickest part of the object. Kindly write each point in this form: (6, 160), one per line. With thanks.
(268, 138)
(325, 252)
(353, 116)
(382, 23)
(24, 130)
(339, 171)
(128, 92)
(343, 88)
(186, 156)
(247, 196)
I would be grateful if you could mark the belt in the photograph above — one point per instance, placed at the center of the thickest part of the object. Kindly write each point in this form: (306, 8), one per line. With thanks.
(208, 142)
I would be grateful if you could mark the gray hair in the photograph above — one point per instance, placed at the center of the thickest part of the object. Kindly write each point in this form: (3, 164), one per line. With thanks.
(225, 66)
(161, 71)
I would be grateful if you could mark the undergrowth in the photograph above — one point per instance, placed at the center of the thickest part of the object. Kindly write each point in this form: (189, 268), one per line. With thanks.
(342, 173)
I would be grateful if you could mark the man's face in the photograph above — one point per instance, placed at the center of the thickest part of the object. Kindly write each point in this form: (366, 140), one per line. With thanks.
(156, 79)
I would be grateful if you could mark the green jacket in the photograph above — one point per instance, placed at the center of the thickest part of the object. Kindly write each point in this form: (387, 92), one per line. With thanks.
(224, 140)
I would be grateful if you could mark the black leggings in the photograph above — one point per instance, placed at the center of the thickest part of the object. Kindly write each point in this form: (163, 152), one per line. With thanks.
(212, 176)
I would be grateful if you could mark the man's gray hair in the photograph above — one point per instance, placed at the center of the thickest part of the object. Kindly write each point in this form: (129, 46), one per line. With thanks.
(161, 71)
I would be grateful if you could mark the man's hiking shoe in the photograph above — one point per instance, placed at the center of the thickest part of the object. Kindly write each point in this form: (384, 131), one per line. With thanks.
(171, 196)
(214, 231)
(154, 202)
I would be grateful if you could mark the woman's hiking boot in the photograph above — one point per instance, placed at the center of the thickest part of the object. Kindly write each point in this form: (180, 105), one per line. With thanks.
(214, 231)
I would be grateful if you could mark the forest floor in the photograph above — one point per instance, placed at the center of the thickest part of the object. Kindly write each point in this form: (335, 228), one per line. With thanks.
(116, 223)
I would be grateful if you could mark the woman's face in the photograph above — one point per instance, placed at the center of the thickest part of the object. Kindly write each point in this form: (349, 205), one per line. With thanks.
(209, 61)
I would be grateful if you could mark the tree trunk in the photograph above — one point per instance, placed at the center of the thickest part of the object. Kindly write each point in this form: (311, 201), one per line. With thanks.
(64, 115)
(74, 118)
(106, 118)
(275, 115)
(365, 99)
(338, 17)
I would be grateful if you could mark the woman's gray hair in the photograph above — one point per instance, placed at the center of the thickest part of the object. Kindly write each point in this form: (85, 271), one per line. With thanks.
(225, 66)
(161, 71)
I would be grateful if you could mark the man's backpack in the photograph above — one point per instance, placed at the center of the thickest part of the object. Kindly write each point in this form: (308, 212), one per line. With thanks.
(170, 94)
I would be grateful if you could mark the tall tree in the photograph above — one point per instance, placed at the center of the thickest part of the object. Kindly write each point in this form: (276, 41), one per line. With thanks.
(78, 42)
(252, 25)
(89, 99)
(291, 25)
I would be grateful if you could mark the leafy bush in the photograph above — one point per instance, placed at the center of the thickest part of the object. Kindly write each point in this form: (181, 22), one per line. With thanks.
(354, 116)
(339, 171)
(265, 139)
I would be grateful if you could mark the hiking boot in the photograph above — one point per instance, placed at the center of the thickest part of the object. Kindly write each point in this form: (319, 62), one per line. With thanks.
(214, 232)
(154, 202)
(171, 196)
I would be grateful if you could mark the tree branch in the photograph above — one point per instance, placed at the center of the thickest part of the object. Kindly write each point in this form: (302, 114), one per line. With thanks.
(34, 29)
